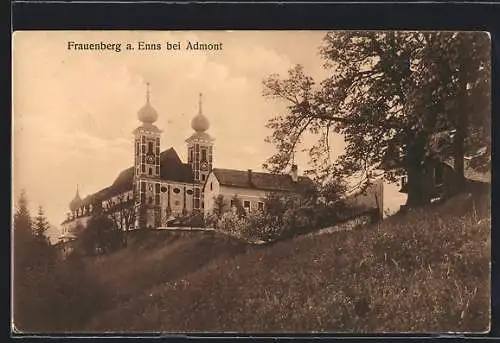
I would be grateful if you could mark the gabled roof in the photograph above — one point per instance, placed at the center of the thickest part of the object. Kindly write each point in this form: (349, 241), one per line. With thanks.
(262, 181)
(171, 169)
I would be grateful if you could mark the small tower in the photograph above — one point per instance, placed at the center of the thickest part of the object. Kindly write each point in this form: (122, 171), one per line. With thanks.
(76, 203)
(200, 153)
(147, 166)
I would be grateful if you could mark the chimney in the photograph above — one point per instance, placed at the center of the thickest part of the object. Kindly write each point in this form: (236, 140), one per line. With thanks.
(294, 173)
(250, 176)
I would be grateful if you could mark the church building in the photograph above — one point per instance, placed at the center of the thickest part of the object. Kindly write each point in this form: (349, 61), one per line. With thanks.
(159, 186)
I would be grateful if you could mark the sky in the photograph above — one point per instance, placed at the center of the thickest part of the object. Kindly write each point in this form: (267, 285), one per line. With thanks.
(74, 111)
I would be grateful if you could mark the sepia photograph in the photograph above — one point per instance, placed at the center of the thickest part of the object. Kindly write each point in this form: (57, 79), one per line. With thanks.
(251, 182)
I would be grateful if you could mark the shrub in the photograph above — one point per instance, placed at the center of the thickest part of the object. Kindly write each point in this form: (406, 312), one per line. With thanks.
(211, 220)
(232, 224)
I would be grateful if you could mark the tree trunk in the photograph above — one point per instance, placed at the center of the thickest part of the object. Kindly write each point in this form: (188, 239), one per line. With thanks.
(415, 187)
(458, 143)
(461, 128)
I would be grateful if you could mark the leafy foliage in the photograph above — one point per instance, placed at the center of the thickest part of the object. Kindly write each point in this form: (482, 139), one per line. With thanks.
(285, 216)
(388, 93)
(49, 294)
(99, 237)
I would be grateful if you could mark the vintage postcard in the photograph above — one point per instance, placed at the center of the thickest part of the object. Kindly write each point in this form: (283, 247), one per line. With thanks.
(251, 181)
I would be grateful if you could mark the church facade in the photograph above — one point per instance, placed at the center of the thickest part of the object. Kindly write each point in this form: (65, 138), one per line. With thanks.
(158, 186)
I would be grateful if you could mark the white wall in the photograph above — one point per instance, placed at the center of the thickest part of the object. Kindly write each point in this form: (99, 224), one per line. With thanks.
(254, 196)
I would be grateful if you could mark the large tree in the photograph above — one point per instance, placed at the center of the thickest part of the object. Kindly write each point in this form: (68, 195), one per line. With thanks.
(387, 94)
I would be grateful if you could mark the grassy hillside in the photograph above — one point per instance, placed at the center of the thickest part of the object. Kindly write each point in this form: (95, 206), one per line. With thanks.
(156, 257)
(427, 270)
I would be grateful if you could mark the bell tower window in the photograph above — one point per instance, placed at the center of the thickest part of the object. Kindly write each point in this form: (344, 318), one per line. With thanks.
(203, 154)
(150, 147)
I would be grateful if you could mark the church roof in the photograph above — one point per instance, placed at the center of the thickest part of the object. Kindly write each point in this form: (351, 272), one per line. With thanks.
(171, 169)
(262, 181)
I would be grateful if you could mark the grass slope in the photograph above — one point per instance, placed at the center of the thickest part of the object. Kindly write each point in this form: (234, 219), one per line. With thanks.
(154, 258)
(427, 270)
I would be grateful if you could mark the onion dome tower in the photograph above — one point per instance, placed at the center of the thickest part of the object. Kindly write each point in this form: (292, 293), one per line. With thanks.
(200, 152)
(147, 166)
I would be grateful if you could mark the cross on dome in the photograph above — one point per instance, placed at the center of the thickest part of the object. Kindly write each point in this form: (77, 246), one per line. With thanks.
(147, 92)
(200, 99)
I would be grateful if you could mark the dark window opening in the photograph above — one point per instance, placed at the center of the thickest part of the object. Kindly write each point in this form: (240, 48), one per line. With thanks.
(246, 204)
(211, 186)
(202, 177)
(157, 188)
(190, 192)
(261, 205)
(203, 154)
(150, 147)
(157, 200)
(163, 189)
(196, 203)
(150, 172)
(177, 190)
(143, 168)
(157, 170)
(137, 148)
(150, 200)
(143, 148)
(143, 160)
(197, 192)
(196, 175)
